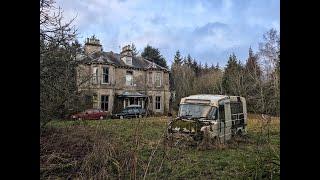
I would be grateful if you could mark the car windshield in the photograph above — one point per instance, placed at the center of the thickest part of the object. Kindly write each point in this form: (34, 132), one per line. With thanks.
(194, 110)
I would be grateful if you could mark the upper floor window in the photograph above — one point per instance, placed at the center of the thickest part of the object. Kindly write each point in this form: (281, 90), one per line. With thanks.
(129, 78)
(158, 79)
(150, 78)
(105, 75)
(129, 61)
(95, 75)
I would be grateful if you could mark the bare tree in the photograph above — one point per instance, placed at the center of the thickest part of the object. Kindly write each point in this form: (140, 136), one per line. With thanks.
(58, 63)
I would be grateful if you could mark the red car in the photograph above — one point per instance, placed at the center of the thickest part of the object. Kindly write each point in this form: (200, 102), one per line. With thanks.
(90, 114)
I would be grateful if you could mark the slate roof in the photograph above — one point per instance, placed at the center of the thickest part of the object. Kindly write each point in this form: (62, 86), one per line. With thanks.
(114, 59)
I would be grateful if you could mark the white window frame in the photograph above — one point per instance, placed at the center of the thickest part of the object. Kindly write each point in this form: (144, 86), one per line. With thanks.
(102, 82)
(129, 83)
(128, 61)
(95, 75)
(107, 102)
(158, 102)
(158, 75)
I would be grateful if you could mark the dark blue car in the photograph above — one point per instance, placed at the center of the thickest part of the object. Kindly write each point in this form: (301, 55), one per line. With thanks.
(131, 111)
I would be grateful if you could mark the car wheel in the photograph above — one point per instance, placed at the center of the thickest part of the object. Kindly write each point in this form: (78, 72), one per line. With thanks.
(101, 117)
(140, 116)
(121, 117)
(79, 118)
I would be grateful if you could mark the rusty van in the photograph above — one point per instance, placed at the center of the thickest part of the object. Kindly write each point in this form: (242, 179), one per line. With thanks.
(218, 117)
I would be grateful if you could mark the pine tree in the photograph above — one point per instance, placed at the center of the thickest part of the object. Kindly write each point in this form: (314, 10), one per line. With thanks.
(177, 58)
(217, 66)
(153, 54)
(252, 78)
(189, 60)
(233, 77)
(134, 49)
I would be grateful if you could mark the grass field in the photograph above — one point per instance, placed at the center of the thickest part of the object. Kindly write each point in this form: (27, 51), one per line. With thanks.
(135, 149)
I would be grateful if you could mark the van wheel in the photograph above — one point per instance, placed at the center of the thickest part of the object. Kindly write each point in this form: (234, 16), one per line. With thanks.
(121, 117)
(101, 117)
(140, 116)
(79, 118)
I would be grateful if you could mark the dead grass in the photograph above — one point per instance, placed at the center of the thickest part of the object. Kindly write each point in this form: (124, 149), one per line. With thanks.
(133, 149)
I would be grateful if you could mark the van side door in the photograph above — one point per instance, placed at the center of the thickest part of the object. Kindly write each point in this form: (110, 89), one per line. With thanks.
(225, 122)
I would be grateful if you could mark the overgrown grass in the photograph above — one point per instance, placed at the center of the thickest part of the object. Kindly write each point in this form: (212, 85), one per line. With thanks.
(135, 149)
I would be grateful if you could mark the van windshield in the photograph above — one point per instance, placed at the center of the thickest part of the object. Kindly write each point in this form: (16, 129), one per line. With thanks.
(194, 110)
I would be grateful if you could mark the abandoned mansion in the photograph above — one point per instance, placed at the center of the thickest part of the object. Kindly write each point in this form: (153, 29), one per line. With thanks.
(112, 81)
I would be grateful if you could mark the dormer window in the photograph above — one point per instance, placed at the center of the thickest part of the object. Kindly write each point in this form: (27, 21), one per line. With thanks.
(129, 61)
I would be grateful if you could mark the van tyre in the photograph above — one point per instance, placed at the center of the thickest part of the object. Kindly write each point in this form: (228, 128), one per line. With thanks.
(121, 117)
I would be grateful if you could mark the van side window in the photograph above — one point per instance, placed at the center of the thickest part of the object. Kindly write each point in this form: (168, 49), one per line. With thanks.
(221, 113)
(236, 107)
(213, 114)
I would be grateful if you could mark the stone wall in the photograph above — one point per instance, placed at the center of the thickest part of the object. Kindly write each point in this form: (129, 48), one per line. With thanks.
(117, 85)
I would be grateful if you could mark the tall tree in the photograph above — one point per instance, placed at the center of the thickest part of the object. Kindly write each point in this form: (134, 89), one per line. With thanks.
(177, 58)
(189, 60)
(233, 77)
(269, 55)
(58, 63)
(153, 54)
(252, 85)
(135, 52)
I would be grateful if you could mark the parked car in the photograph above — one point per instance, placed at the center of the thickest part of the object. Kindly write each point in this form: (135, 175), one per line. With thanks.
(90, 114)
(131, 111)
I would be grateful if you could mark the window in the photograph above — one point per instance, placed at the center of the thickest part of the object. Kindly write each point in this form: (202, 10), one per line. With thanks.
(213, 113)
(105, 75)
(150, 78)
(104, 102)
(236, 107)
(128, 61)
(158, 79)
(129, 78)
(126, 102)
(95, 75)
(131, 111)
(194, 110)
(158, 102)
(87, 99)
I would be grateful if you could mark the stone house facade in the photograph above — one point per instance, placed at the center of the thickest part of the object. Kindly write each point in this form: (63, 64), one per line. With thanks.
(112, 81)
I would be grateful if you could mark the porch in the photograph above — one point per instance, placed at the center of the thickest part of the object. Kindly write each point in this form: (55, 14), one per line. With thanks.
(130, 98)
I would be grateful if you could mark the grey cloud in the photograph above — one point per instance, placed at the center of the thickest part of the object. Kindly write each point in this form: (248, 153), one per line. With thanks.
(210, 28)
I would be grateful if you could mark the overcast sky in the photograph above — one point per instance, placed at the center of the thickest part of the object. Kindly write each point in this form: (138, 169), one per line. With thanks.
(209, 30)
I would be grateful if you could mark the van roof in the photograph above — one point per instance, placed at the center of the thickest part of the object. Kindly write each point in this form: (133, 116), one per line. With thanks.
(212, 99)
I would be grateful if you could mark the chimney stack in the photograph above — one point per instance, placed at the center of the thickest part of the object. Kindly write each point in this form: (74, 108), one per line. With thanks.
(92, 45)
